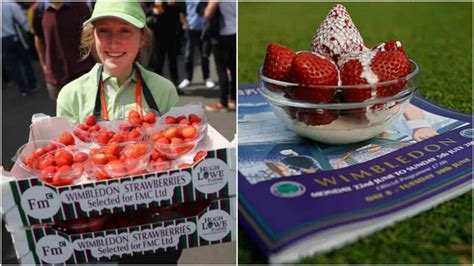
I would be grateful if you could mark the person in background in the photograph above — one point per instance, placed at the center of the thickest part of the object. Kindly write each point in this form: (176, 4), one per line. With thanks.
(118, 83)
(193, 27)
(224, 49)
(16, 57)
(57, 29)
(166, 26)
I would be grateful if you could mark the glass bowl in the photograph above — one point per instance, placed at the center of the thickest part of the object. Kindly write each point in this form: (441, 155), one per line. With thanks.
(192, 112)
(174, 140)
(120, 159)
(88, 134)
(63, 166)
(28, 153)
(336, 121)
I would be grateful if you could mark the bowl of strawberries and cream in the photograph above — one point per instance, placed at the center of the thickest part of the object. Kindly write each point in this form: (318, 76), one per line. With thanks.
(341, 91)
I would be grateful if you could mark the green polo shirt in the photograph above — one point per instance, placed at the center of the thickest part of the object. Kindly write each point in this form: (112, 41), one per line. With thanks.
(77, 98)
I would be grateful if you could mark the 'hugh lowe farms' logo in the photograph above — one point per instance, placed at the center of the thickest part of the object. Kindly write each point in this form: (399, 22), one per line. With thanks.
(215, 225)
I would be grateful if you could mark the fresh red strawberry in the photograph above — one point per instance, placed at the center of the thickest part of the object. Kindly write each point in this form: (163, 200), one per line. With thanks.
(170, 120)
(91, 120)
(189, 132)
(316, 117)
(199, 155)
(66, 138)
(278, 62)
(337, 35)
(194, 118)
(391, 45)
(135, 151)
(150, 118)
(390, 65)
(313, 69)
(355, 70)
(371, 67)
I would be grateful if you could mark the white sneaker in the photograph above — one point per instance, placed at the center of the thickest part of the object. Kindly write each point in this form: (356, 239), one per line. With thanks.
(210, 84)
(185, 83)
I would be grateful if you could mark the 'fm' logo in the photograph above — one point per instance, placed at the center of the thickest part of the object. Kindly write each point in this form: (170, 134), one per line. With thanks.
(53, 251)
(40, 202)
(35, 204)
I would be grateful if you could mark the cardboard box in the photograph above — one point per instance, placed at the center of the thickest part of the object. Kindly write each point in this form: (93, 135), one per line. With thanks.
(45, 244)
(28, 201)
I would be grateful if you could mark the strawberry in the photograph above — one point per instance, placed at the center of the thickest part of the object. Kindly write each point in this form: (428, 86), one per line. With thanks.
(337, 35)
(162, 140)
(371, 67)
(83, 127)
(80, 157)
(172, 132)
(51, 147)
(184, 122)
(391, 45)
(113, 149)
(115, 168)
(101, 175)
(313, 69)
(390, 65)
(39, 152)
(316, 117)
(199, 156)
(103, 138)
(66, 138)
(170, 120)
(45, 162)
(91, 120)
(176, 141)
(135, 151)
(63, 157)
(179, 118)
(194, 118)
(355, 70)
(277, 63)
(94, 128)
(135, 134)
(157, 136)
(189, 132)
(150, 118)
(99, 158)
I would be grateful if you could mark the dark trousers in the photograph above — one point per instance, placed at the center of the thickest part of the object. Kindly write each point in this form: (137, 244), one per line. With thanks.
(193, 40)
(167, 46)
(224, 55)
(17, 63)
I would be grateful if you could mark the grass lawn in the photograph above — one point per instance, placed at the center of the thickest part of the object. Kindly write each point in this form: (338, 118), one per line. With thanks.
(438, 37)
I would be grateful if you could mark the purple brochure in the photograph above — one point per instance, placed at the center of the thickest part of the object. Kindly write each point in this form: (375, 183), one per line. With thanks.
(298, 197)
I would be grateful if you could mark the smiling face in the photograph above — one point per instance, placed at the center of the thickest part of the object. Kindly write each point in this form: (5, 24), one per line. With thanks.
(117, 44)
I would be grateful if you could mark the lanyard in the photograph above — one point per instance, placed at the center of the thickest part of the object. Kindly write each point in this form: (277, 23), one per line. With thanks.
(138, 98)
(141, 87)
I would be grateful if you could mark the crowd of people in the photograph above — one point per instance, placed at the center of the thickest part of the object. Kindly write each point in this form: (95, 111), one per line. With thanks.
(53, 32)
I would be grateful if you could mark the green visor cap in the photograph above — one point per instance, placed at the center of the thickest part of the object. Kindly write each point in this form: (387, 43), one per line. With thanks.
(131, 12)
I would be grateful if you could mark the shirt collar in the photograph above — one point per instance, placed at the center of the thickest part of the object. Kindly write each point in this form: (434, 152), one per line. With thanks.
(133, 76)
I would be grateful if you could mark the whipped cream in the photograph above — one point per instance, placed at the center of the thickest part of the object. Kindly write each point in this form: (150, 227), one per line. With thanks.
(346, 129)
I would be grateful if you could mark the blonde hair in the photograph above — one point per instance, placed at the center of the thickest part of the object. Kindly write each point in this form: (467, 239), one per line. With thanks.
(87, 46)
